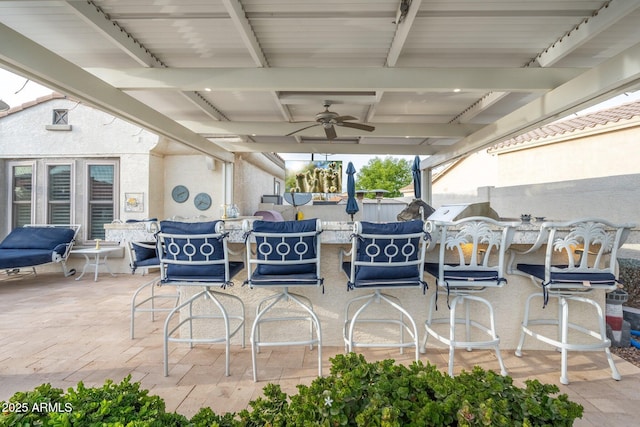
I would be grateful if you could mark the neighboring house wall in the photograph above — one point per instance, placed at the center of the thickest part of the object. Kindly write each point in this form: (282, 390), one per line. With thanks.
(460, 184)
(574, 172)
(616, 198)
(604, 151)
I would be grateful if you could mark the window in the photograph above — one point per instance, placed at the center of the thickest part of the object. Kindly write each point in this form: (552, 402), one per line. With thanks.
(60, 117)
(62, 191)
(21, 186)
(59, 194)
(101, 195)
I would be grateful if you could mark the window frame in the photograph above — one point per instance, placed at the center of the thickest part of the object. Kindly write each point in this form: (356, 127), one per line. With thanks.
(47, 190)
(115, 203)
(60, 116)
(11, 216)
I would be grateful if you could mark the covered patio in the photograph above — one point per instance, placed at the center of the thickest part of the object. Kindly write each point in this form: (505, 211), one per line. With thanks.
(59, 331)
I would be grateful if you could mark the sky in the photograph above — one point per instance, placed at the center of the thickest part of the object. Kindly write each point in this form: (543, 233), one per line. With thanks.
(11, 83)
(14, 91)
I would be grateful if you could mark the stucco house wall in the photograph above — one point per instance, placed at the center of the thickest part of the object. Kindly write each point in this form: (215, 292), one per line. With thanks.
(148, 164)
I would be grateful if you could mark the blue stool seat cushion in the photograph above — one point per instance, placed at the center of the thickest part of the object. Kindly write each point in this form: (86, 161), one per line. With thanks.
(559, 277)
(143, 253)
(192, 275)
(287, 249)
(280, 280)
(148, 262)
(433, 268)
(369, 247)
(382, 282)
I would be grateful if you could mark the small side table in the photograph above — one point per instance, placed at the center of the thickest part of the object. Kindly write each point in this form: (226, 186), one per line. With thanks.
(99, 258)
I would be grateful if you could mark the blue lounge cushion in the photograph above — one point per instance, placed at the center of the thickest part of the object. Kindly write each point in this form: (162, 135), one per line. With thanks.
(286, 248)
(37, 238)
(370, 250)
(15, 258)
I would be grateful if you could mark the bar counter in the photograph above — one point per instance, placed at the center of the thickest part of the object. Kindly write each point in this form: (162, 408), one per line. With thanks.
(329, 303)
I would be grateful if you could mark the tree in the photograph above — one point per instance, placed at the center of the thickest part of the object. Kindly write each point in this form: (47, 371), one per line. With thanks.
(389, 174)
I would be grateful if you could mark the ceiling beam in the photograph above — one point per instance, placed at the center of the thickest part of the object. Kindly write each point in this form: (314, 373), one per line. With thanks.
(478, 107)
(607, 16)
(31, 60)
(245, 30)
(386, 130)
(240, 21)
(338, 79)
(330, 147)
(611, 78)
(402, 32)
(114, 33)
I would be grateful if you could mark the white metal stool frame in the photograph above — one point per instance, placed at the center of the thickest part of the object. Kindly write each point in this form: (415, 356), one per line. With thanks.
(173, 246)
(586, 246)
(267, 304)
(147, 304)
(406, 323)
(465, 274)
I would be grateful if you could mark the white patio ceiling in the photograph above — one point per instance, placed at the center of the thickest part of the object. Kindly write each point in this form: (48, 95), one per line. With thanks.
(435, 77)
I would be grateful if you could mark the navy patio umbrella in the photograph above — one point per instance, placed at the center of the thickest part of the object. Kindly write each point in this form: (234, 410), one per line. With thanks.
(352, 204)
(417, 179)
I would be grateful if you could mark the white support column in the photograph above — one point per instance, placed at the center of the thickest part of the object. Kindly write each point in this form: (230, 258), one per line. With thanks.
(228, 183)
(427, 190)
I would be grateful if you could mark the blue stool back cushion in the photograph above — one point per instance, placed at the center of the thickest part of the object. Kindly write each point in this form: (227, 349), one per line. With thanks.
(37, 238)
(267, 247)
(143, 253)
(213, 271)
(366, 250)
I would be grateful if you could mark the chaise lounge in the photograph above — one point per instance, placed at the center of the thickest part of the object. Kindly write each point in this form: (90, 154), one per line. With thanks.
(37, 244)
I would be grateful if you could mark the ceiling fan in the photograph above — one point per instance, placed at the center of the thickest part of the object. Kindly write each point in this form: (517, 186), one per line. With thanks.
(328, 119)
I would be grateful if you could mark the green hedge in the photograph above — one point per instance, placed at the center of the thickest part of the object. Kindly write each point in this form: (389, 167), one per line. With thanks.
(356, 393)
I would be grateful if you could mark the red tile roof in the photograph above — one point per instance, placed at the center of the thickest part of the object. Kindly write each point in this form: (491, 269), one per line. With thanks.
(40, 100)
(598, 118)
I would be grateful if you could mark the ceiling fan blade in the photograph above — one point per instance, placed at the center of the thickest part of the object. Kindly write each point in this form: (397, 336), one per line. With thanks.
(343, 118)
(331, 132)
(358, 126)
(301, 129)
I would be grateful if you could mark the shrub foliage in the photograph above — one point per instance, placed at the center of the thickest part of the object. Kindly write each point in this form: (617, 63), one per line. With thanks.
(356, 393)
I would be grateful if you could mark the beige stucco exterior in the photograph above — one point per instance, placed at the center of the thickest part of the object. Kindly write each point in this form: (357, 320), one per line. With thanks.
(147, 164)
(593, 172)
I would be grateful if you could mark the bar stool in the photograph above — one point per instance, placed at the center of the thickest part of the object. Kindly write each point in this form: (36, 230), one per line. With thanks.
(471, 260)
(287, 255)
(585, 262)
(385, 256)
(196, 254)
(143, 256)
